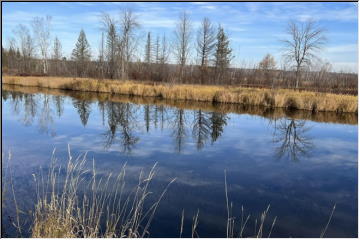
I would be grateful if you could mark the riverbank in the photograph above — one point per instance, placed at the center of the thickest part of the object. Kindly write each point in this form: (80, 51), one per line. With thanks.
(269, 113)
(285, 98)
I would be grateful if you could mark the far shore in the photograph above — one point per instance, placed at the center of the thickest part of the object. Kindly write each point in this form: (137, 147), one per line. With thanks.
(284, 98)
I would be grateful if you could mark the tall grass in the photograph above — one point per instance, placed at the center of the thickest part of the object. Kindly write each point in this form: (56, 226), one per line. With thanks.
(285, 98)
(85, 205)
(231, 231)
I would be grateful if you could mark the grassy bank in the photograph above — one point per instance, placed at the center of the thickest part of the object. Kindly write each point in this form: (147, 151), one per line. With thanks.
(269, 113)
(284, 98)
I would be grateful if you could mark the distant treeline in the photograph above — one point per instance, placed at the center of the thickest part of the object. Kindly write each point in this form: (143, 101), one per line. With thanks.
(31, 53)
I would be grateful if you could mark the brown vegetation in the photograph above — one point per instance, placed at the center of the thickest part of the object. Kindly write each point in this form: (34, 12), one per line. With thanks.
(270, 113)
(77, 206)
(289, 99)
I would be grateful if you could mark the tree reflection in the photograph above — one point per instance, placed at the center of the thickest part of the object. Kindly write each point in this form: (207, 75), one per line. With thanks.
(179, 131)
(16, 99)
(147, 117)
(291, 135)
(30, 107)
(218, 121)
(59, 105)
(45, 117)
(201, 128)
(120, 122)
(84, 108)
(120, 119)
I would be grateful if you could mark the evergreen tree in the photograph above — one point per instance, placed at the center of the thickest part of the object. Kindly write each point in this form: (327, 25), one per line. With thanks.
(222, 54)
(81, 54)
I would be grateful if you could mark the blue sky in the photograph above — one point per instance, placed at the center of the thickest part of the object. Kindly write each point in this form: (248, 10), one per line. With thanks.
(255, 29)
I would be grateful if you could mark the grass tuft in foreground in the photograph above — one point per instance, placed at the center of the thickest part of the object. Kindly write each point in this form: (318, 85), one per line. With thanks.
(99, 207)
(83, 204)
(285, 98)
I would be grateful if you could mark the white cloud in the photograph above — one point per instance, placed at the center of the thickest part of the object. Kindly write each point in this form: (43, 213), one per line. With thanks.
(346, 48)
(209, 7)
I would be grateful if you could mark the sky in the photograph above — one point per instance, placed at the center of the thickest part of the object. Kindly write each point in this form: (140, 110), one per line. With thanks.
(254, 28)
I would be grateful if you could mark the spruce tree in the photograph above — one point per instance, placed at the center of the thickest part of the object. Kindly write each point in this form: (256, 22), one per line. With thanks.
(81, 54)
(222, 54)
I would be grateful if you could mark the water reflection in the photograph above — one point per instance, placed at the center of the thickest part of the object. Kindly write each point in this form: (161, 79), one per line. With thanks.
(179, 132)
(83, 107)
(122, 121)
(195, 142)
(121, 124)
(291, 136)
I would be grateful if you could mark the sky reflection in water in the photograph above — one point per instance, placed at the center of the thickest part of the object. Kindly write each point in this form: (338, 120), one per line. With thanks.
(300, 167)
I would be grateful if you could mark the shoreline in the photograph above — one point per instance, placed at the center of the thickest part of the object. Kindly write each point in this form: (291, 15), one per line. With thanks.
(269, 113)
(279, 98)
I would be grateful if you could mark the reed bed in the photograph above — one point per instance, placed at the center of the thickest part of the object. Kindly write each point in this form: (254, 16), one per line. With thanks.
(285, 98)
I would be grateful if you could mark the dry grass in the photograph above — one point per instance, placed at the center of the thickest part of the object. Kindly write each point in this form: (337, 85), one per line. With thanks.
(271, 113)
(76, 207)
(290, 99)
(97, 207)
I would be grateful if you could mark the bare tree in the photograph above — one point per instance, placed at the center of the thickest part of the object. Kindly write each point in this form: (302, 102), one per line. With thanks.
(148, 48)
(157, 50)
(268, 65)
(57, 49)
(182, 34)
(27, 48)
(101, 57)
(163, 53)
(57, 54)
(205, 45)
(304, 40)
(128, 25)
(112, 42)
(41, 27)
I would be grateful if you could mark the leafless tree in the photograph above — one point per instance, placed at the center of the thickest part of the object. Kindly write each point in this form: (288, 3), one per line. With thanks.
(182, 34)
(206, 39)
(267, 65)
(128, 25)
(101, 60)
(112, 45)
(303, 42)
(41, 27)
(27, 47)
(57, 49)
(57, 54)
(148, 49)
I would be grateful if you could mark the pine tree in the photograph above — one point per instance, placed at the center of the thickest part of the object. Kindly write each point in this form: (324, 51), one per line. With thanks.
(81, 54)
(222, 54)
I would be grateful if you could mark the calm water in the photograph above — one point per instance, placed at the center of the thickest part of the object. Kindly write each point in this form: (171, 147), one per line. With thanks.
(300, 164)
